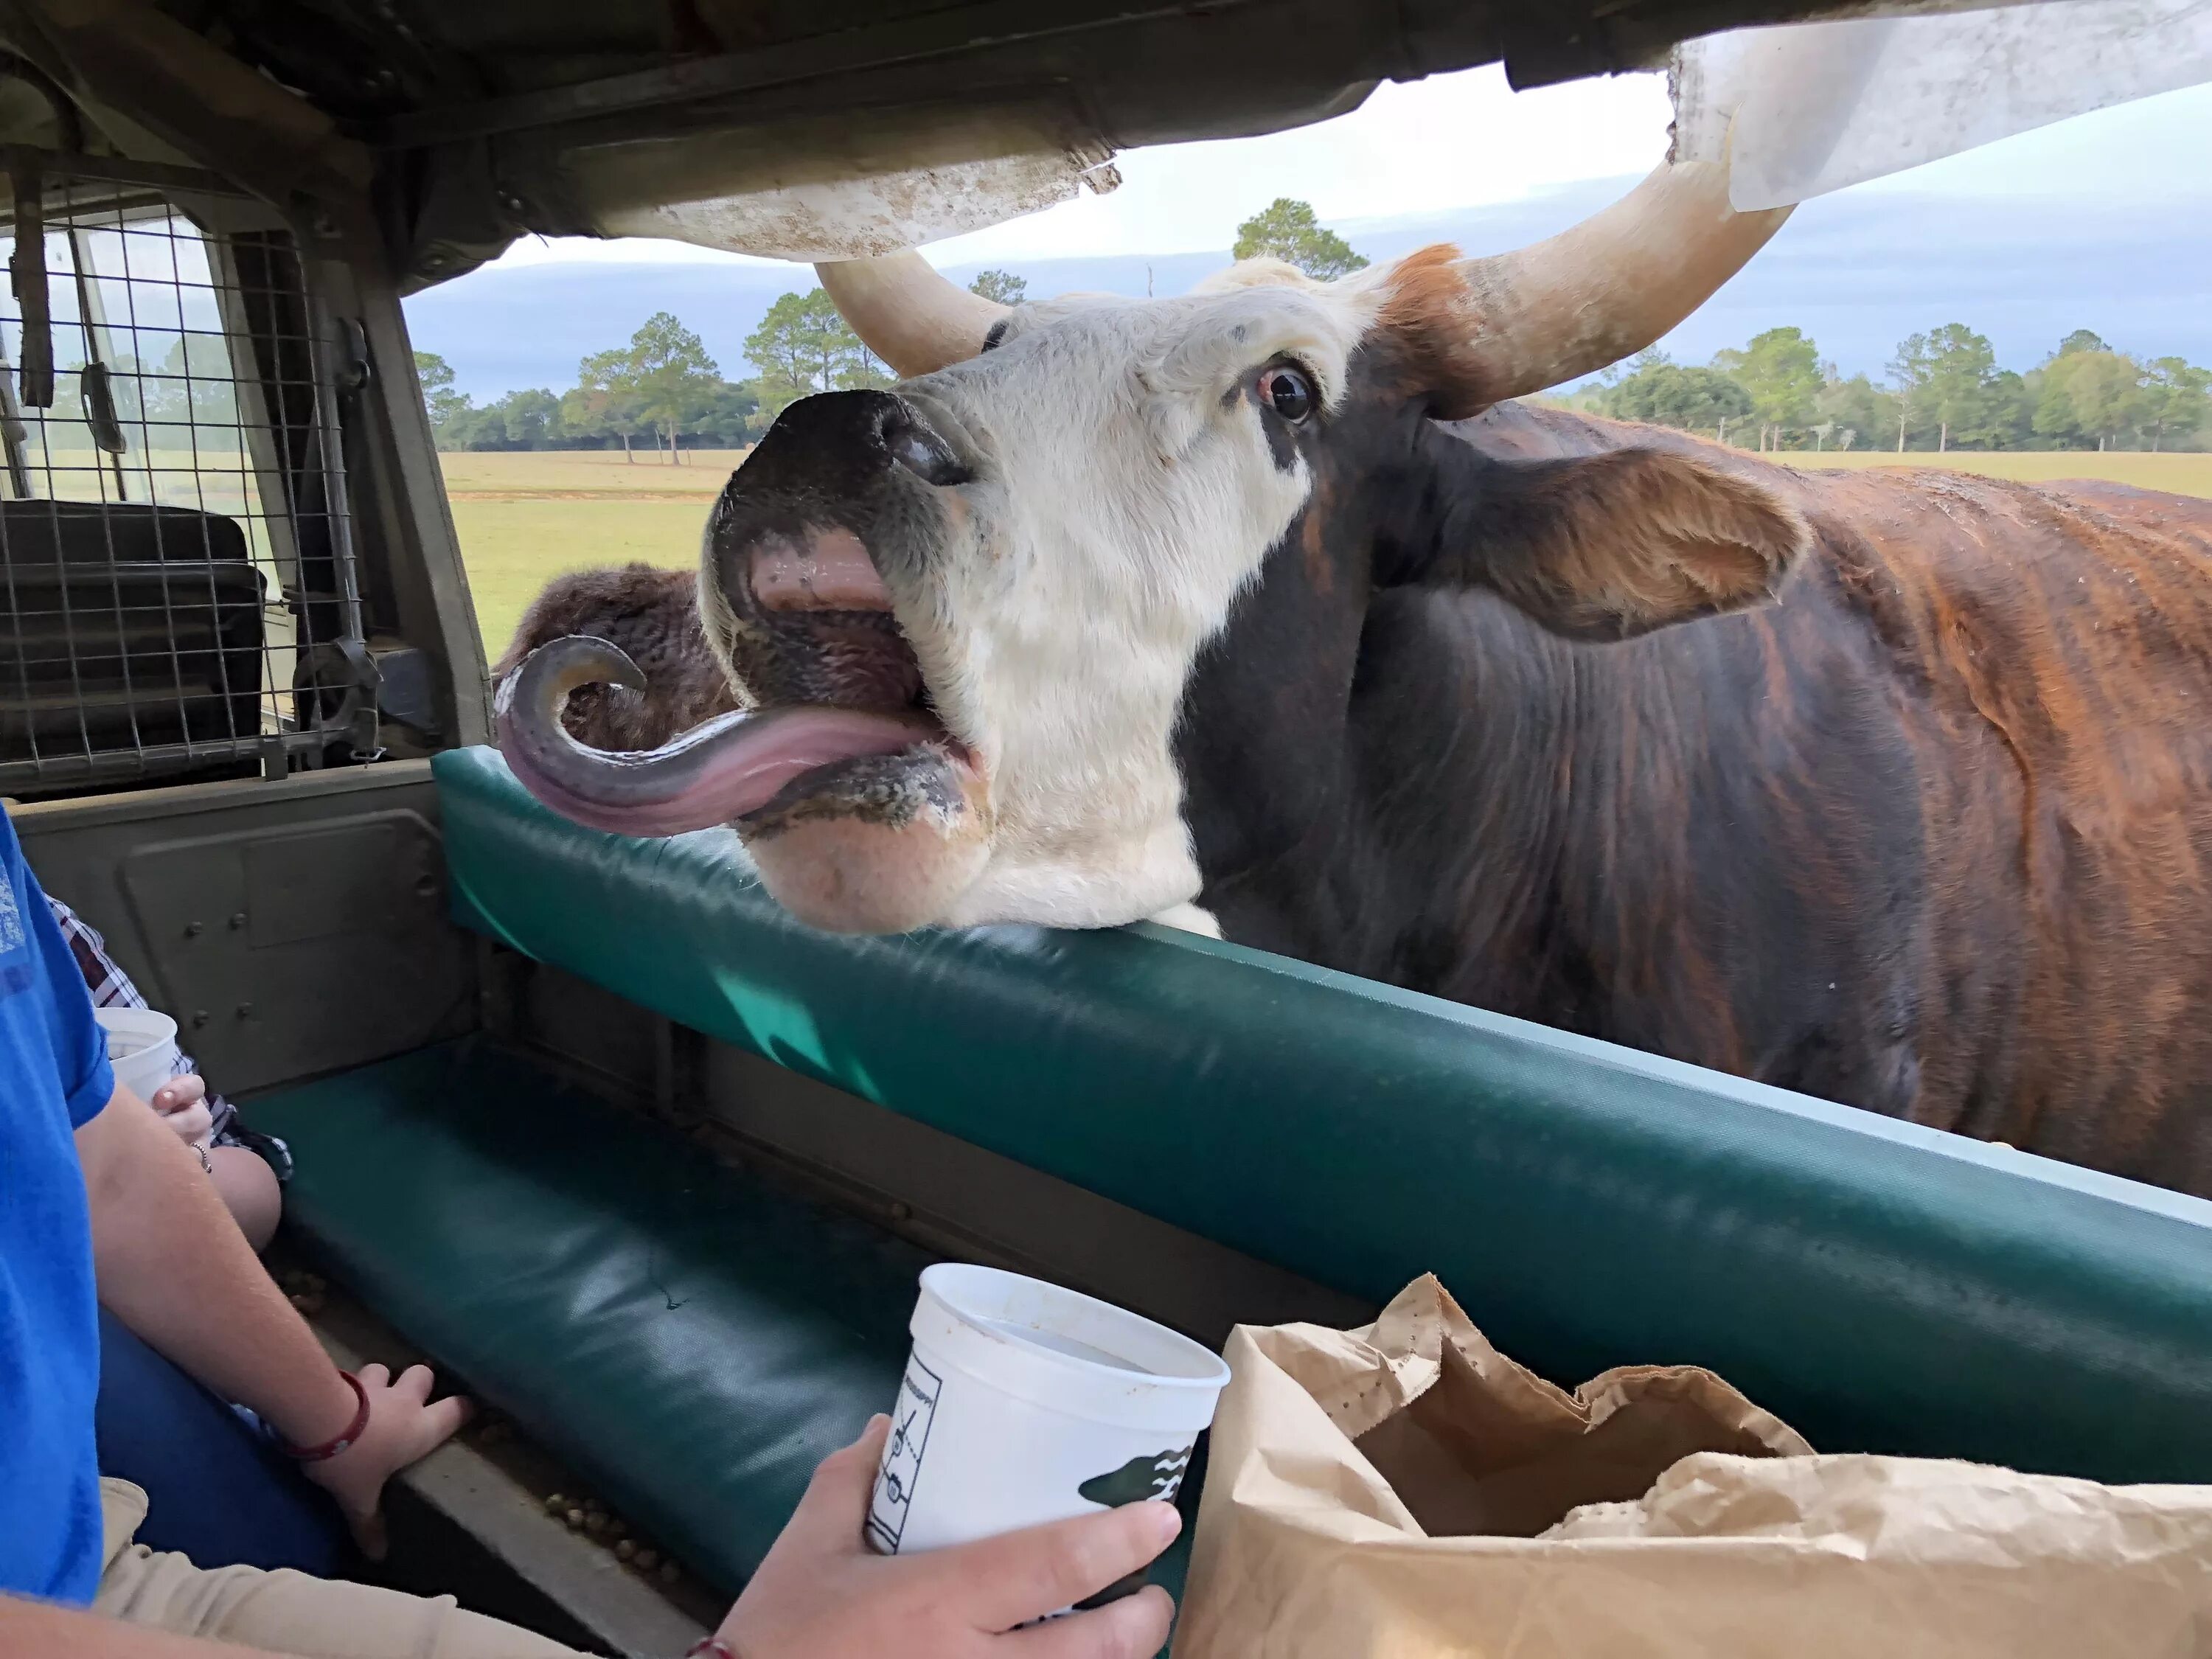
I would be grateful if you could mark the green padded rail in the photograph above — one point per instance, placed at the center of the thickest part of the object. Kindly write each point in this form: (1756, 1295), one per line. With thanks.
(1882, 1286)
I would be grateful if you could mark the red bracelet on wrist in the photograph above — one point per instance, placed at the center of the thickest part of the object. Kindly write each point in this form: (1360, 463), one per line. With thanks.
(330, 1448)
(711, 1647)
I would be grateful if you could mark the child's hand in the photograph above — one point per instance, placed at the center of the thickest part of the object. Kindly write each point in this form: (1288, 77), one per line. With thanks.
(182, 1104)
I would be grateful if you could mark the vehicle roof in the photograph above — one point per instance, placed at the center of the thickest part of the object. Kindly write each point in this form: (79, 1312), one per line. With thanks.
(491, 119)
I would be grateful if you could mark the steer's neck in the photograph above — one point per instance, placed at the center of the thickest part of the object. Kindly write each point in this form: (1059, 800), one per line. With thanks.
(1472, 752)
(1504, 817)
(1407, 830)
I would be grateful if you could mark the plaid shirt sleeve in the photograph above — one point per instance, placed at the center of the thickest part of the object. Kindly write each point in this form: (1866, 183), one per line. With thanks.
(110, 986)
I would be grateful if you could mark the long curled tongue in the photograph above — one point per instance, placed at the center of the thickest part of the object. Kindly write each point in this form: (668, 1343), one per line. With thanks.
(734, 764)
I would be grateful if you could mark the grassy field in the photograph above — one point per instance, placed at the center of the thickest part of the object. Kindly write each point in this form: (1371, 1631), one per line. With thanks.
(586, 474)
(525, 518)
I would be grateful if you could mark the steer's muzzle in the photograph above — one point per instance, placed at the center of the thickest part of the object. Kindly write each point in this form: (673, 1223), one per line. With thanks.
(863, 813)
(837, 509)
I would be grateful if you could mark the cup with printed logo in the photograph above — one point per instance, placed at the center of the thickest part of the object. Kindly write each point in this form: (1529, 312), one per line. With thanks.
(1025, 1403)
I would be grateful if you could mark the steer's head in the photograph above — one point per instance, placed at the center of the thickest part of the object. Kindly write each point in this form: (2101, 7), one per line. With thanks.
(969, 612)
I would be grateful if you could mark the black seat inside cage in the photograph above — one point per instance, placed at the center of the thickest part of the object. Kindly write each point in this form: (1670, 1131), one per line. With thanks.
(123, 626)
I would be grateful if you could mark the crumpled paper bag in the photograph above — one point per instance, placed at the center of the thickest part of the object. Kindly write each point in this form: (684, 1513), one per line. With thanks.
(1406, 1491)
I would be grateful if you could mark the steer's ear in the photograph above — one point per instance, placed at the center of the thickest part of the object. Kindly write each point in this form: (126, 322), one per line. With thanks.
(1611, 545)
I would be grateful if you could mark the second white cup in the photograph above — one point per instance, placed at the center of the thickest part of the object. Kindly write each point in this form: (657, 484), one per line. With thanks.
(142, 1046)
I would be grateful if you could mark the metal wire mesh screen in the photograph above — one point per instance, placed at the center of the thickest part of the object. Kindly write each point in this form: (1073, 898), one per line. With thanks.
(176, 565)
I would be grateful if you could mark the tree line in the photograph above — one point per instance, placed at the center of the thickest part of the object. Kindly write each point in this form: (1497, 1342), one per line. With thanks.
(184, 400)
(1943, 389)
(663, 386)
(665, 390)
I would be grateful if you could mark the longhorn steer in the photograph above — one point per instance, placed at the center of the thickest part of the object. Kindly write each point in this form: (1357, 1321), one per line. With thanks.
(1891, 788)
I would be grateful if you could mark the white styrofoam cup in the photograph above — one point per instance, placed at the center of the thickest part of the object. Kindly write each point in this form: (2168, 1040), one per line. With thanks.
(1024, 1403)
(142, 1046)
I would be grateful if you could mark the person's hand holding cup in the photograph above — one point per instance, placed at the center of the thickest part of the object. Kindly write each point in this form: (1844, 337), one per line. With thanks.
(142, 1046)
(1026, 1474)
(1023, 1404)
(182, 1104)
(823, 1593)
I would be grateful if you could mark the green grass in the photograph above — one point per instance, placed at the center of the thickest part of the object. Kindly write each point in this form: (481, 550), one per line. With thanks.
(570, 474)
(528, 517)
(513, 549)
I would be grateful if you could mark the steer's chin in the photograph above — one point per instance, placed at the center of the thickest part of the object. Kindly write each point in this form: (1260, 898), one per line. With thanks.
(883, 845)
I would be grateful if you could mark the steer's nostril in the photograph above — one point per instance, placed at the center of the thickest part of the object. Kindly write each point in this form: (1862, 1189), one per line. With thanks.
(920, 451)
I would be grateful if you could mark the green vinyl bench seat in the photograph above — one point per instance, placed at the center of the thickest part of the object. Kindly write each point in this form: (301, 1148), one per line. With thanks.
(687, 1337)
(1881, 1286)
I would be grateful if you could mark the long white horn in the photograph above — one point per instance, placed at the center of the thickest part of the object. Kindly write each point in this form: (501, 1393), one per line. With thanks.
(906, 314)
(1611, 285)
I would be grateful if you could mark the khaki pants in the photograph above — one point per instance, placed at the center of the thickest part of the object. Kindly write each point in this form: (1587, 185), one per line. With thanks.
(285, 1612)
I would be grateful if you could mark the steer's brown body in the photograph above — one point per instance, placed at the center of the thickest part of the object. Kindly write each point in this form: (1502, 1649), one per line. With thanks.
(2052, 653)
(1931, 833)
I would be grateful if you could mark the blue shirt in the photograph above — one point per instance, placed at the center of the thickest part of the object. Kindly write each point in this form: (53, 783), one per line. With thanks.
(54, 1077)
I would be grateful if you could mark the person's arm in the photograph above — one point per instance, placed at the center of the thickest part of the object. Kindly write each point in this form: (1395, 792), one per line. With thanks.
(822, 1594)
(171, 1265)
(27, 1627)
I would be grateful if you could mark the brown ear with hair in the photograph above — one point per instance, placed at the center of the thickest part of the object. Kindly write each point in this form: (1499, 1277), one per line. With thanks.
(1428, 307)
(1612, 545)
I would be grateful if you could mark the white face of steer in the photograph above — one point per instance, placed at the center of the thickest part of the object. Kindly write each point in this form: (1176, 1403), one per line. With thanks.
(1096, 488)
(1127, 486)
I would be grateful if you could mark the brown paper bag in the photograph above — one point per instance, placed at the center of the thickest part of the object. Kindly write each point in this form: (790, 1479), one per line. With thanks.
(1406, 1491)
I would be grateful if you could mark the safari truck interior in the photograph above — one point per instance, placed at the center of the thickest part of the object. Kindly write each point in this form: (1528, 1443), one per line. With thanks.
(648, 1166)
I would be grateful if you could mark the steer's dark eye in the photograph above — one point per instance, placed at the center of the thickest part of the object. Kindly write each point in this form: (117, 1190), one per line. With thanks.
(1287, 392)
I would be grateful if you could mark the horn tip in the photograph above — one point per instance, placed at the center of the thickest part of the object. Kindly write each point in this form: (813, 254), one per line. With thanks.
(551, 671)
